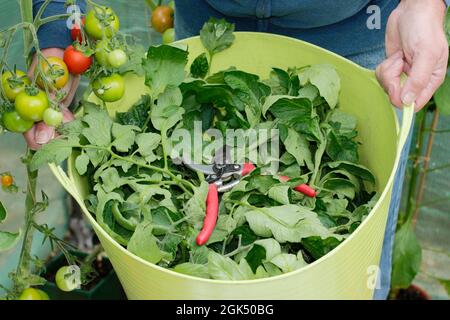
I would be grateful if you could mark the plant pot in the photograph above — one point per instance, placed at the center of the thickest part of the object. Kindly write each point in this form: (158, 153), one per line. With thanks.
(106, 288)
(413, 292)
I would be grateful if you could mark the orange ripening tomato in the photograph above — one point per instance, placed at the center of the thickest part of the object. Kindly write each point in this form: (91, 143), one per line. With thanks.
(162, 18)
(7, 181)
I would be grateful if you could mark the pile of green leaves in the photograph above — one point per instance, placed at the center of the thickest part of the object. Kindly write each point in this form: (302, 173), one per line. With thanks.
(156, 208)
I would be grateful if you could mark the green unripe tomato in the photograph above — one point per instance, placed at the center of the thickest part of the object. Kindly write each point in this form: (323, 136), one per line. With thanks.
(102, 51)
(33, 294)
(110, 88)
(168, 36)
(14, 123)
(100, 23)
(31, 107)
(13, 88)
(68, 278)
(44, 295)
(117, 58)
(52, 117)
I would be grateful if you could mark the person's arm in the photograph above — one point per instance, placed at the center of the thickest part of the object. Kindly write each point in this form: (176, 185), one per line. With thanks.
(53, 38)
(416, 45)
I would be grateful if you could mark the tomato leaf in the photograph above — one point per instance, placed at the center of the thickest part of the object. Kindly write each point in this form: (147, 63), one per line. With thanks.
(192, 269)
(147, 144)
(445, 283)
(123, 136)
(442, 96)
(298, 146)
(407, 256)
(3, 212)
(287, 223)
(255, 257)
(250, 91)
(164, 67)
(8, 240)
(200, 66)
(56, 151)
(167, 112)
(224, 268)
(299, 114)
(341, 148)
(81, 163)
(137, 114)
(143, 244)
(98, 130)
(280, 193)
(288, 262)
(355, 169)
(217, 35)
(326, 79)
(318, 247)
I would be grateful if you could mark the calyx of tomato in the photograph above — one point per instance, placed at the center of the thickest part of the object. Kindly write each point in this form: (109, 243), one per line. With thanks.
(103, 16)
(32, 90)
(83, 48)
(16, 81)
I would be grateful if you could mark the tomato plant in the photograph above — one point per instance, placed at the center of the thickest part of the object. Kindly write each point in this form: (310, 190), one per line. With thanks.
(109, 88)
(101, 22)
(14, 83)
(22, 104)
(162, 18)
(55, 72)
(31, 104)
(77, 62)
(15, 123)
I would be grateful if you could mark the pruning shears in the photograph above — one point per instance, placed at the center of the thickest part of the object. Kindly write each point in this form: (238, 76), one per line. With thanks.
(221, 177)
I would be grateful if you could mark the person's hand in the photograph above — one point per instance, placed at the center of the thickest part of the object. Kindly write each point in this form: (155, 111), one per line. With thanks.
(41, 133)
(416, 45)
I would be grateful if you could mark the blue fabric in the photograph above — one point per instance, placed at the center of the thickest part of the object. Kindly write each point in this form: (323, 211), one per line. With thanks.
(54, 34)
(339, 26)
(382, 292)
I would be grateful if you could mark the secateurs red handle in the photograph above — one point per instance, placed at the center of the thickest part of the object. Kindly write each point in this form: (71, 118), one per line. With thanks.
(212, 205)
(302, 188)
(212, 212)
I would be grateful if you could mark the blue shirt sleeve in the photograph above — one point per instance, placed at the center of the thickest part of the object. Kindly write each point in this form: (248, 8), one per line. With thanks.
(55, 34)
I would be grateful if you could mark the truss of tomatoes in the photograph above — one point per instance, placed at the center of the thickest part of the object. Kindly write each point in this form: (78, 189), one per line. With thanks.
(30, 100)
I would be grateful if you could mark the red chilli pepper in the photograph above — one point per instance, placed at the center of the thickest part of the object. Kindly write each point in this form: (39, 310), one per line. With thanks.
(303, 188)
(212, 211)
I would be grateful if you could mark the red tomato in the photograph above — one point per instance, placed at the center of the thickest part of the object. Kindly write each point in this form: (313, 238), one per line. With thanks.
(75, 32)
(77, 62)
